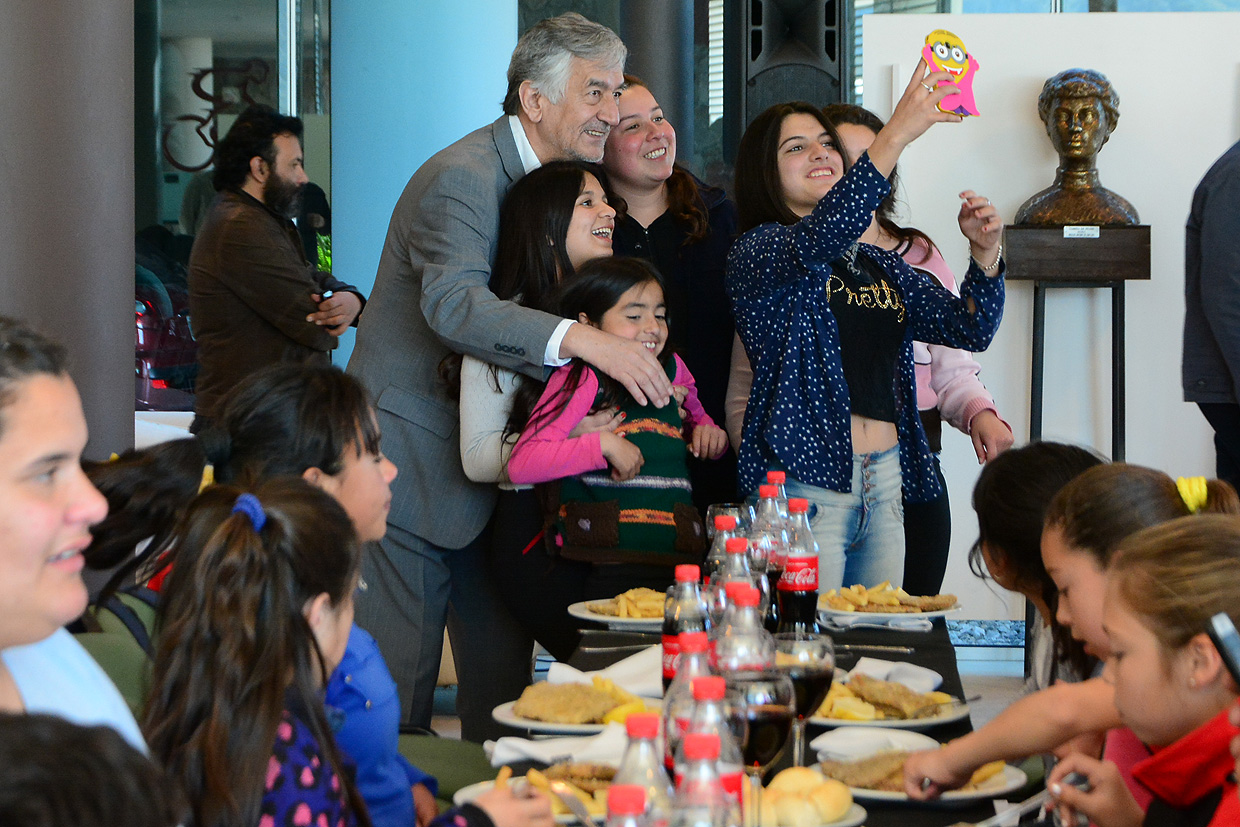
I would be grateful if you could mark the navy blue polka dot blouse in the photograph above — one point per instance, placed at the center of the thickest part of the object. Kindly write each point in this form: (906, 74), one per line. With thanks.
(798, 411)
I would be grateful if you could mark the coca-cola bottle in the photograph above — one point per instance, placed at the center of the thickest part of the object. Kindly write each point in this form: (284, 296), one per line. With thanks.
(678, 699)
(725, 529)
(642, 765)
(626, 806)
(712, 716)
(779, 480)
(742, 643)
(701, 798)
(684, 610)
(798, 586)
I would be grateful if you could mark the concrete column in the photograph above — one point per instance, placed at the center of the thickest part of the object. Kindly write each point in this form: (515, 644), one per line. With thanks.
(407, 80)
(67, 203)
(659, 34)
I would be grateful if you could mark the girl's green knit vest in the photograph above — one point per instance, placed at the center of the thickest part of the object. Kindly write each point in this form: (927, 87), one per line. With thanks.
(649, 519)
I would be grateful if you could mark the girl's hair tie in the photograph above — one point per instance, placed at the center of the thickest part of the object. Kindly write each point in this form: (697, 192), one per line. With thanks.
(249, 505)
(208, 478)
(1193, 492)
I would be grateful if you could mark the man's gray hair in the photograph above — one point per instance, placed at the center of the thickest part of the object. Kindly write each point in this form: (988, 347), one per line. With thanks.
(545, 53)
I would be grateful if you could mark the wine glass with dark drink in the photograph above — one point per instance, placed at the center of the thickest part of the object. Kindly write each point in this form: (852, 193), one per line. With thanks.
(808, 659)
(767, 703)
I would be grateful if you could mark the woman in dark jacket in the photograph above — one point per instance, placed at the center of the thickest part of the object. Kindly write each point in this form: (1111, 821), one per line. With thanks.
(684, 228)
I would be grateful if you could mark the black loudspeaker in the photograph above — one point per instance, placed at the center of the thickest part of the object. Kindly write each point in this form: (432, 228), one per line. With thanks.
(782, 50)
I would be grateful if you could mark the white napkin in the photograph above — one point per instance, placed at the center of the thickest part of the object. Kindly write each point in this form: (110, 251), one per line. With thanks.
(916, 678)
(902, 624)
(853, 743)
(641, 674)
(607, 747)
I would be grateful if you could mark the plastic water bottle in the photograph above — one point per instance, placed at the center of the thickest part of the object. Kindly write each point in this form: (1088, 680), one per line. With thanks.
(725, 529)
(642, 766)
(711, 716)
(779, 479)
(678, 699)
(626, 806)
(743, 643)
(736, 569)
(768, 540)
(701, 800)
(684, 610)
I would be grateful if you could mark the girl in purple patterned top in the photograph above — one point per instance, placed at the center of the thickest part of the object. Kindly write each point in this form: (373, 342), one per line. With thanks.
(258, 611)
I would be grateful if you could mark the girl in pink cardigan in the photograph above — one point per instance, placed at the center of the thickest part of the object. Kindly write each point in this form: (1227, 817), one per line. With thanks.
(623, 502)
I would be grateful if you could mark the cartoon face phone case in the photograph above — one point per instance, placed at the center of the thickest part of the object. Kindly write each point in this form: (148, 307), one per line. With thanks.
(944, 51)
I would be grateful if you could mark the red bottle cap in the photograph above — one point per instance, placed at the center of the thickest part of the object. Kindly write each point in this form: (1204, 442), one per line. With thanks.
(767, 492)
(733, 589)
(708, 688)
(736, 545)
(798, 505)
(691, 642)
(688, 573)
(700, 746)
(776, 477)
(626, 800)
(642, 725)
(724, 522)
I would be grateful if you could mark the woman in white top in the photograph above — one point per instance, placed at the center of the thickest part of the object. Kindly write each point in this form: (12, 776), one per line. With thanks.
(47, 506)
(552, 221)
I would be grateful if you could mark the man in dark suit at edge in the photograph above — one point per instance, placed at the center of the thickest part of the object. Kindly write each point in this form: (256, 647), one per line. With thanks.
(431, 297)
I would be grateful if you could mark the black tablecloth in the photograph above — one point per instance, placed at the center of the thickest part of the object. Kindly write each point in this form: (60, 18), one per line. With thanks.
(931, 649)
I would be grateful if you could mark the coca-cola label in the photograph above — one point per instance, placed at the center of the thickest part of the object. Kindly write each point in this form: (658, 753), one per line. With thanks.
(800, 575)
(671, 656)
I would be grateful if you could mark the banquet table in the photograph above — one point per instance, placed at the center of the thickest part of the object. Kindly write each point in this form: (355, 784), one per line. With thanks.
(932, 649)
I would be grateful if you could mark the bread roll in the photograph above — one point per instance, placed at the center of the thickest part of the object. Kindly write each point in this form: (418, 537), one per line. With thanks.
(832, 800)
(796, 780)
(796, 810)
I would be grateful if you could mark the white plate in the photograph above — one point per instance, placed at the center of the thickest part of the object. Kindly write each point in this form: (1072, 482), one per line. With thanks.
(854, 743)
(1012, 778)
(855, 817)
(581, 611)
(950, 714)
(467, 794)
(504, 715)
(825, 612)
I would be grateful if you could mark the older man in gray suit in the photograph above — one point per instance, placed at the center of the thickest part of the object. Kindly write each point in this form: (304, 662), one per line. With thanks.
(430, 298)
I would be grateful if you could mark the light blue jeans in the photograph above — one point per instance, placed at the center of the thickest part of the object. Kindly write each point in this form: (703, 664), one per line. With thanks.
(860, 534)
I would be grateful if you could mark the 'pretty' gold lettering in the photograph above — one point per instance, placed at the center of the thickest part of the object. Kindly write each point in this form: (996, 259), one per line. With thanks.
(881, 296)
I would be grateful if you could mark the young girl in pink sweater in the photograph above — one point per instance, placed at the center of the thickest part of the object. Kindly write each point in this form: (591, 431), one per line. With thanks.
(623, 502)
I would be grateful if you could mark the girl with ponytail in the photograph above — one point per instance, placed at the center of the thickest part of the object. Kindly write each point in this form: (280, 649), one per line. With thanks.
(257, 614)
(296, 420)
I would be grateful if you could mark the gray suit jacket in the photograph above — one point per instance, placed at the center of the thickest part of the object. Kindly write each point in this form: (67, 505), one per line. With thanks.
(431, 298)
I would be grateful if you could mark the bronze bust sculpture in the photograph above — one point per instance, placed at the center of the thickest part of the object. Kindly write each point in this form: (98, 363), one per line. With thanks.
(1080, 109)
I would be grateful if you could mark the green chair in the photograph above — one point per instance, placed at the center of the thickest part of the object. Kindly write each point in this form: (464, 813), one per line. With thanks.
(455, 763)
(124, 661)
